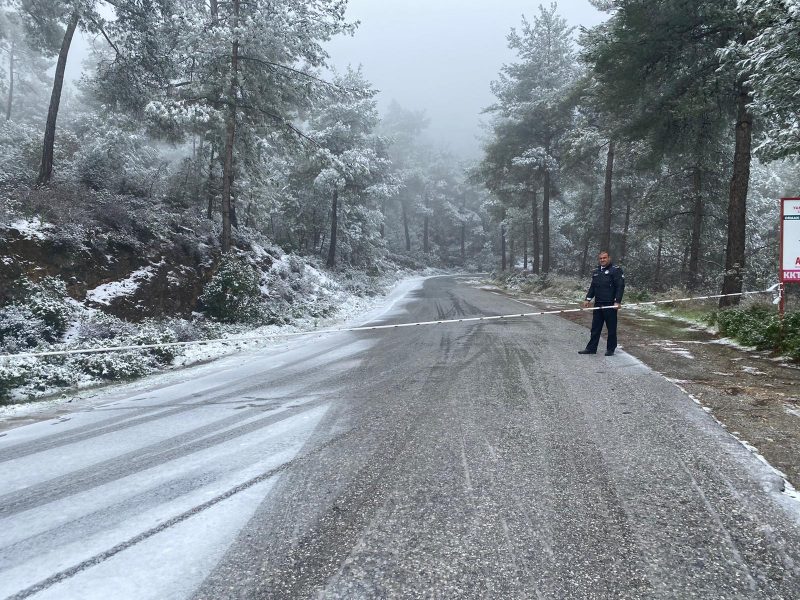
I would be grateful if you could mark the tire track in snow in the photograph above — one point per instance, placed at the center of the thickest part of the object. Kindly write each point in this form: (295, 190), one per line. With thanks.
(140, 459)
(145, 535)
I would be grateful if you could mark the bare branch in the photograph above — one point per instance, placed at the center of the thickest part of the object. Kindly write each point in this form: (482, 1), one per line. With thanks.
(105, 35)
(297, 72)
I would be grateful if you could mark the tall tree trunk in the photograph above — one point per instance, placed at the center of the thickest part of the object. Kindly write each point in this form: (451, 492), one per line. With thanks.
(211, 185)
(585, 253)
(546, 224)
(334, 227)
(463, 243)
(697, 229)
(737, 204)
(10, 81)
(657, 276)
(46, 166)
(512, 258)
(234, 217)
(535, 234)
(230, 135)
(503, 246)
(624, 250)
(425, 227)
(249, 217)
(687, 250)
(197, 178)
(525, 247)
(605, 234)
(405, 226)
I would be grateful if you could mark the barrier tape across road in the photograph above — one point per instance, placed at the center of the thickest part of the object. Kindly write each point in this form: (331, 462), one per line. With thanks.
(365, 328)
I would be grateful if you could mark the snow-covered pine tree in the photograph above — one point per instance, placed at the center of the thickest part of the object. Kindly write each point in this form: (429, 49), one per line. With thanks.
(231, 71)
(769, 63)
(533, 106)
(353, 168)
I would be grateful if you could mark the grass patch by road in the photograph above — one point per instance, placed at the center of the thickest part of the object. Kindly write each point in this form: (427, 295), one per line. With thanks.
(755, 323)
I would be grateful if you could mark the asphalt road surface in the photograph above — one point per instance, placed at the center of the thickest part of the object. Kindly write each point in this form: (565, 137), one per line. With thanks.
(455, 461)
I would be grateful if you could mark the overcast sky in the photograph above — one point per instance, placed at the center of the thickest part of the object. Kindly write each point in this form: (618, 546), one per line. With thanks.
(441, 56)
(435, 55)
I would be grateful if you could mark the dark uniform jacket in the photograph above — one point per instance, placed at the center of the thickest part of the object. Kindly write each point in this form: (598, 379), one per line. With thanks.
(608, 285)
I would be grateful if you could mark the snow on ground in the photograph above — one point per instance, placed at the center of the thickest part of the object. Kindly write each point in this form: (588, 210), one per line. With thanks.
(352, 313)
(155, 533)
(30, 228)
(104, 294)
(752, 370)
(214, 446)
(673, 348)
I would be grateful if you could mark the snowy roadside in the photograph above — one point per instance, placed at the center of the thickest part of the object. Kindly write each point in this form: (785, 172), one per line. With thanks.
(352, 313)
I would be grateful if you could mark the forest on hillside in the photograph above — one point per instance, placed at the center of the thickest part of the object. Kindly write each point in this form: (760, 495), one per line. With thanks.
(209, 147)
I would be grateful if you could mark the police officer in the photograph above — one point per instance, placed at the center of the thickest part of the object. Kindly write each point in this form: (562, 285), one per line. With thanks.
(608, 285)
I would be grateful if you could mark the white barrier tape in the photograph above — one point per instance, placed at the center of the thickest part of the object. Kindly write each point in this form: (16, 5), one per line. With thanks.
(348, 329)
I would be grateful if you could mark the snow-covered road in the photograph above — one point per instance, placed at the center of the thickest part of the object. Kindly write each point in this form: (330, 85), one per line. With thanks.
(466, 461)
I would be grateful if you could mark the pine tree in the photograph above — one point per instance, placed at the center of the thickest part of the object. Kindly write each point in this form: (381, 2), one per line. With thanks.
(533, 104)
(236, 71)
(51, 25)
(768, 63)
(353, 167)
(659, 64)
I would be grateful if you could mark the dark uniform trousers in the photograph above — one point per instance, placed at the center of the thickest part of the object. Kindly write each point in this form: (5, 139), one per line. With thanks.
(609, 317)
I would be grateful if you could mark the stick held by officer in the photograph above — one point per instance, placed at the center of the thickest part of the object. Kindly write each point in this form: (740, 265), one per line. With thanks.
(606, 289)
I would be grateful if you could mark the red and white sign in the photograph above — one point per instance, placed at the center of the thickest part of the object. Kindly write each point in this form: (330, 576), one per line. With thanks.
(790, 240)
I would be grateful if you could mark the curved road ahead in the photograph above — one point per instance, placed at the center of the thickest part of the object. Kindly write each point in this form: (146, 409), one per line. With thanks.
(458, 461)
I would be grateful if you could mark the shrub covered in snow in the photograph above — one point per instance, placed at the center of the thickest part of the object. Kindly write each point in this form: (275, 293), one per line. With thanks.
(293, 289)
(115, 365)
(47, 299)
(12, 376)
(100, 326)
(20, 151)
(23, 330)
(20, 329)
(39, 313)
(360, 283)
(151, 333)
(234, 294)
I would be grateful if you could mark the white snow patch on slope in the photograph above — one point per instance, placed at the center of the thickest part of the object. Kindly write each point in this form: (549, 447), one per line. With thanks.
(30, 228)
(105, 293)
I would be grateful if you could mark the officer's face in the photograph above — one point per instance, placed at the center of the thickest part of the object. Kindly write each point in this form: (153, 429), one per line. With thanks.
(604, 259)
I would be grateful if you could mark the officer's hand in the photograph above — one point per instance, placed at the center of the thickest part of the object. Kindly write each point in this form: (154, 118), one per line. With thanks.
(617, 305)
(586, 304)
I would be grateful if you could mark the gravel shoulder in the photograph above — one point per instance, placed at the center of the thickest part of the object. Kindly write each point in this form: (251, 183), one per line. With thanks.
(755, 396)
